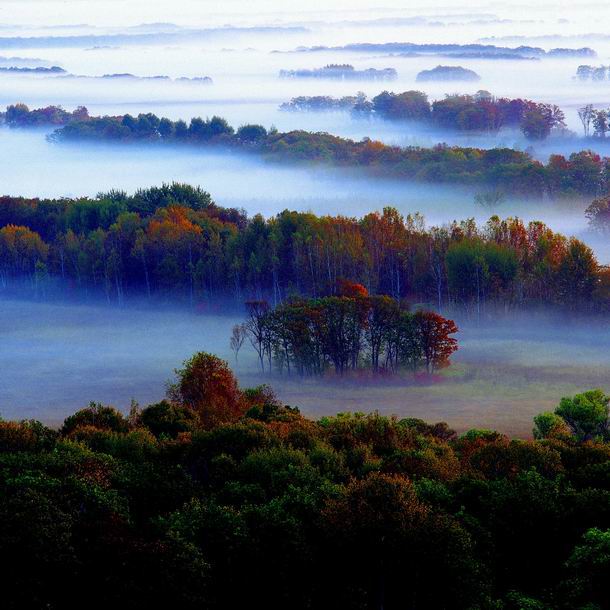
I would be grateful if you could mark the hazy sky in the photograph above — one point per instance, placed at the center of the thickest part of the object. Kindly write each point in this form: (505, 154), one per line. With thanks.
(112, 12)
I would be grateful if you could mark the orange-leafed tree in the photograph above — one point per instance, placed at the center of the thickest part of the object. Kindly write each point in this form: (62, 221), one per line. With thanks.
(351, 289)
(20, 250)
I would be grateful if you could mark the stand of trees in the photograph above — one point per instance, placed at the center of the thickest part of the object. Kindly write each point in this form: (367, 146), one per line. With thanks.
(323, 103)
(219, 497)
(595, 121)
(479, 112)
(587, 72)
(175, 242)
(598, 214)
(342, 72)
(447, 73)
(347, 333)
(19, 115)
(582, 174)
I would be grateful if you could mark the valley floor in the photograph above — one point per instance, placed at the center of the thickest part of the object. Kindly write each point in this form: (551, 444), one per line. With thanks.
(55, 358)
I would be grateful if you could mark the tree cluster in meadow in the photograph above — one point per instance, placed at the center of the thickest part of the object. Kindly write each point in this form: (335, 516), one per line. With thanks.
(323, 103)
(479, 112)
(595, 121)
(346, 333)
(218, 497)
(173, 242)
(582, 174)
(342, 72)
(587, 72)
(447, 73)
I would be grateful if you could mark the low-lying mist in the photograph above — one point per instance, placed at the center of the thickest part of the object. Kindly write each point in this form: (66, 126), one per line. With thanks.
(246, 85)
(505, 372)
(38, 168)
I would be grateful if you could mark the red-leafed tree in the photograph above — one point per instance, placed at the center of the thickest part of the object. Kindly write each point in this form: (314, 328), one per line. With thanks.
(437, 344)
(207, 385)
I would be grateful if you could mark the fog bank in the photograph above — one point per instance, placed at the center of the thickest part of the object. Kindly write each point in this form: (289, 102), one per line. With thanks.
(503, 374)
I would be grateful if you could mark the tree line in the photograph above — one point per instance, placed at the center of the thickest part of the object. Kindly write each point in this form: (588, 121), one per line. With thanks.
(460, 51)
(19, 115)
(479, 112)
(581, 174)
(173, 242)
(349, 332)
(586, 72)
(222, 497)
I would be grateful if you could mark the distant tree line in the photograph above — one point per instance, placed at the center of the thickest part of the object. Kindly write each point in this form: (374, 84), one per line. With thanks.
(348, 332)
(19, 115)
(33, 70)
(582, 174)
(476, 50)
(221, 497)
(447, 74)
(479, 112)
(342, 72)
(323, 103)
(593, 73)
(175, 242)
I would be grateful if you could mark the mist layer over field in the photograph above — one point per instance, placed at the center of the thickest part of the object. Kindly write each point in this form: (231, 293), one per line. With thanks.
(55, 358)
(38, 168)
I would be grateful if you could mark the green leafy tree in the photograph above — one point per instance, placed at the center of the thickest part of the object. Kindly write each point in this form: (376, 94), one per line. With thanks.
(586, 414)
(96, 415)
(589, 566)
(550, 425)
(168, 418)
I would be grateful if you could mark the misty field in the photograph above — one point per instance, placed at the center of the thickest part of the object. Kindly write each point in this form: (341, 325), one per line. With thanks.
(55, 358)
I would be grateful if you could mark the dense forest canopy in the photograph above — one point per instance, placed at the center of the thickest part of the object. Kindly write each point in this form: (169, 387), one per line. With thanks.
(174, 242)
(219, 497)
(583, 174)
